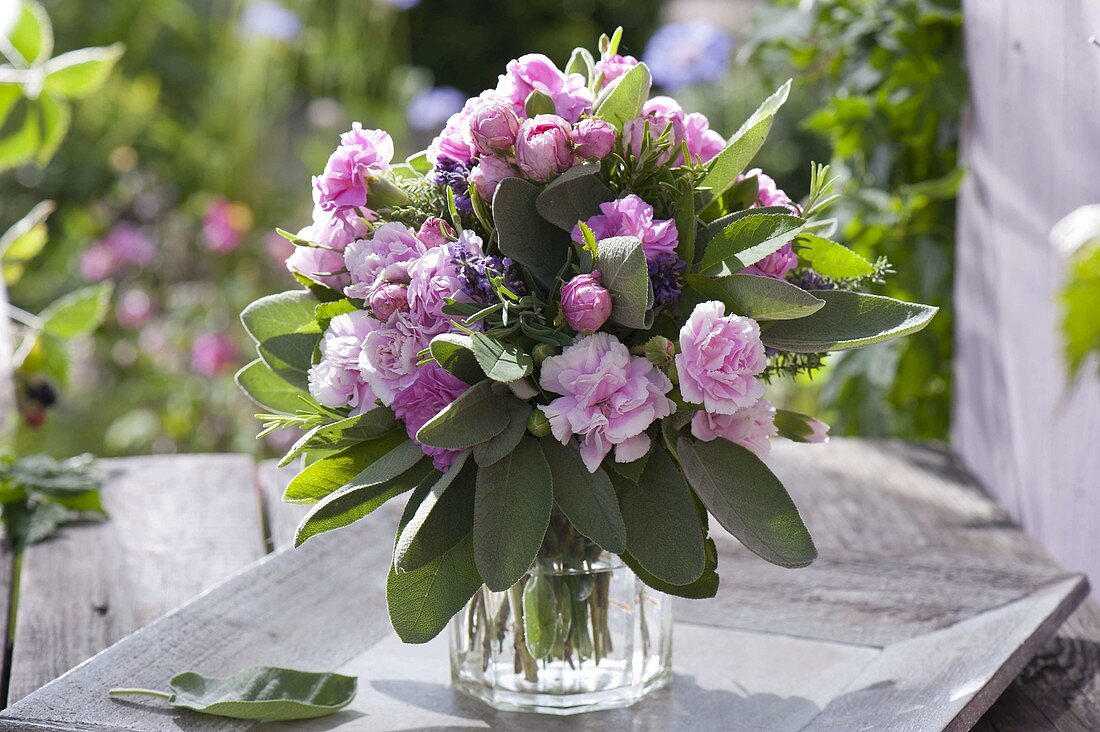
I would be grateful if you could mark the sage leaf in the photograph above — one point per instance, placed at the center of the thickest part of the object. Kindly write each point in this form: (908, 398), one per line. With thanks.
(797, 427)
(746, 241)
(541, 619)
(723, 170)
(581, 62)
(423, 601)
(624, 99)
(848, 320)
(477, 415)
(573, 196)
(512, 505)
(494, 449)
(830, 259)
(262, 386)
(746, 498)
(525, 236)
(587, 499)
(275, 323)
(454, 352)
(344, 433)
(501, 362)
(625, 274)
(331, 473)
(441, 519)
(760, 298)
(662, 529)
(539, 102)
(263, 693)
(704, 587)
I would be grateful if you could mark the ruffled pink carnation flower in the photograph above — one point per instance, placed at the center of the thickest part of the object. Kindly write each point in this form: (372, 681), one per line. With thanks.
(385, 256)
(535, 71)
(777, 264)
(631, 216)
(335, 381)
(720, 356)
(361, 155)
(432, 279)
(333, 230)
(749, 427)
(389, 356)
(609, 398)
(703, 143)
(432, 389)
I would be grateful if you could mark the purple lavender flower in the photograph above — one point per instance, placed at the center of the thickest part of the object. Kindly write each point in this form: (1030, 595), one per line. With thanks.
(430, 108)
(688, 52)
(810, 280)
(475, 269)
(666, 272)
(456, 176)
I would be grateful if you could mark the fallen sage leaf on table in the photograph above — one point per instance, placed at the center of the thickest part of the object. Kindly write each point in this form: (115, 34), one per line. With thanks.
(262, 693)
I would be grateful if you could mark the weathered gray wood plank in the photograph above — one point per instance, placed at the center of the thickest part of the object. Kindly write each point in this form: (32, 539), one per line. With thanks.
(282, 518)
(178, 526)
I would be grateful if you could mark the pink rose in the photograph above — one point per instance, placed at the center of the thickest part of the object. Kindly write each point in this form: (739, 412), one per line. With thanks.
(720, 355)
(432, 389)
(535, 72)
(435, 232)
(609, 398)
(389, 298)
(749, 427)
(488, 174)
(660, 113)
(384, 256)
(614, 67)
(593, 138)
(493, 127)
(631, 216)
(362, 154)
(544, 148)
(585, 303)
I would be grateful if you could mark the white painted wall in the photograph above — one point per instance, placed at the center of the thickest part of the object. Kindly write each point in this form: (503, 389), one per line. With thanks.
(1032, 150)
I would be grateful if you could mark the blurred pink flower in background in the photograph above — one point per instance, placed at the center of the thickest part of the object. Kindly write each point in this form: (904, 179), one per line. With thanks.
(213, 353)
(278, 248)
(134, 308)
(124, 246)
(225, 224)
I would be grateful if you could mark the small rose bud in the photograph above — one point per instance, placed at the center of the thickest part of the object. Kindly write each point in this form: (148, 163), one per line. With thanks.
(544, 148)
(593, 138)
(388, 298)
(585, 303)
(435, 232)
(660, 351)
(537, 424)
(488, 173)
(543, 351)
(493, 127)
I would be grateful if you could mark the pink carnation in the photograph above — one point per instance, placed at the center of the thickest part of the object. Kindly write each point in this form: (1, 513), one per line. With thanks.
(432, 389)
(777, 264)
(362, 154)
(335, 380)
(435, 232)
(609, 398)
(536, 72)
(432, 279)
(749, 427)
(320, 265)
(720, 355)
(389, 356)
(386, 255)
(631, 216)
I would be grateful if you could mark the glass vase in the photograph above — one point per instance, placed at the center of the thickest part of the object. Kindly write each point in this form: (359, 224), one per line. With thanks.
(576, 634)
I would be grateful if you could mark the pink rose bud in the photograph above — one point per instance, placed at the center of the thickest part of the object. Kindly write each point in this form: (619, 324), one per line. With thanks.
(544, 148)
(593, 138)
(585, 303)
(389, 298)
(493, 127)
(435, 232)
(490, 171)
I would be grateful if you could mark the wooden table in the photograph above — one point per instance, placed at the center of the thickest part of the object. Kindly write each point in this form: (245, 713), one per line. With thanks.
(182, 524)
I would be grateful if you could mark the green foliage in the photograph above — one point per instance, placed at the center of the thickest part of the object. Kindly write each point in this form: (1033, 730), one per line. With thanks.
(38, 494)
(1081, 302)
(587, 499)
(848, 320)
(760, 298)
(262, 693)
(747, 240)
(477, 415)
(624, 273)
(573, 196)
(523, 235)
(441, 520)
(624, 99)
(78, 313)
(541, 615)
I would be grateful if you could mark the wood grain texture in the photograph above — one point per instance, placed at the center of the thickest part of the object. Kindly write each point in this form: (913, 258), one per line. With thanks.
(178, 525)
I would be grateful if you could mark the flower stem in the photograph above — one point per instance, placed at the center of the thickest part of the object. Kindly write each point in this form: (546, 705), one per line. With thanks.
(142, 692)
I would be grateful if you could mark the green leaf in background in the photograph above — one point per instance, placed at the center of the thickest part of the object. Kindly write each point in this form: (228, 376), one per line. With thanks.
(24, 240)
(20, 133)
(581, 62)
(357, 501)
(848, 320)
(55, 116)
(369, 425)
(723, 170)
(525, 236)
(77, 313)
(441, 520)
(423, 601)
(262, 693)
(573, 196)
(747, 500)
(623, 102)
(477, 415)
(704, 587)
(389, 455)
(512, 507)
(500, 361)
(32, 35)
(746, 241)
(494, 449)
(540, 615)
(1080, 304)
(262, 386)
(274, 322)
(622, 265)
(587, 499)
(455, 352)
(799, 427)
(81, 73)
(662, 530)
(760, 298)
(832, 260)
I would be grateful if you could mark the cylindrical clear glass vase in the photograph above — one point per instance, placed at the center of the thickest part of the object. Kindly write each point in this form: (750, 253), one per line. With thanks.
(570, 637)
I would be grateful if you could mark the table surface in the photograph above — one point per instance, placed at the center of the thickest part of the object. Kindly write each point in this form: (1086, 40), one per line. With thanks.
(183, 524)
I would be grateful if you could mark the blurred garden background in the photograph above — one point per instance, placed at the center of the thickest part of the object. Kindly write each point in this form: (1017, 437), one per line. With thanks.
(177, 168)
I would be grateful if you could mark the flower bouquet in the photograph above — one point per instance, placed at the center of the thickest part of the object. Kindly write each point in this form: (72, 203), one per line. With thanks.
(552, 330)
